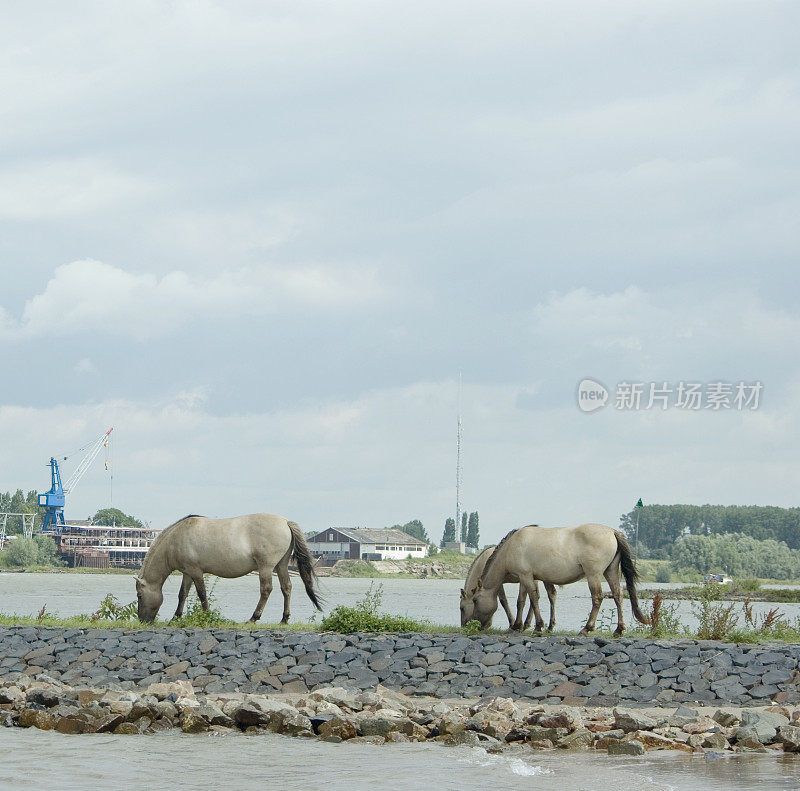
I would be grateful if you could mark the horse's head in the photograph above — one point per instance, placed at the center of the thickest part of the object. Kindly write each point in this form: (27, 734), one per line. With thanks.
(484, 604)
(149, 598)
(466, 605)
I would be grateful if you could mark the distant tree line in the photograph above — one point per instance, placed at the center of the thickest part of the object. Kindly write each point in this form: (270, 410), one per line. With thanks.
(737, 555)
(660, 526)
(470, 532)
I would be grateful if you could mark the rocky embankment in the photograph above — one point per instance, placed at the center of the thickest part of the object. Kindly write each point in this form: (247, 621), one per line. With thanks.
(334, 714)
(591, 671)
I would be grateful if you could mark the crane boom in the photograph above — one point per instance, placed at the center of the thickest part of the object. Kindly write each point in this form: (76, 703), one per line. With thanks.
(80, 470)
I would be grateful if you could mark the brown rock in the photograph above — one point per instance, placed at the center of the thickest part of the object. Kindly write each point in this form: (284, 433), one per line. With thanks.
(108, 723)
(126, 728)
(338, 726)
(193, 722)
(568, 718)
(87, 696)
(715, 741)
(35, 718)
(540, 744)
(579, 739)
(71, 724)
(604, 742)
(653, 741)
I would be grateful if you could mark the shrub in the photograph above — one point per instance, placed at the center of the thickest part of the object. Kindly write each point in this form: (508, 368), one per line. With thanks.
(663, 573)
(22, 552)
(110, 609)
(365, 616)
(716, 621)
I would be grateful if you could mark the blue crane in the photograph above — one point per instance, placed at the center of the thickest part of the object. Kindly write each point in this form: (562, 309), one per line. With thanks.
(54, 500)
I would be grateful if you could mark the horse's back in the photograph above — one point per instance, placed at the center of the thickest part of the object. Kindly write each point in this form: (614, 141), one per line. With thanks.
(562, 554)
(231, 546)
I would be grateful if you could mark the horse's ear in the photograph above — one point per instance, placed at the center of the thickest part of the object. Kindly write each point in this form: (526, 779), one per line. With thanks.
(463, 594)
(480, 584)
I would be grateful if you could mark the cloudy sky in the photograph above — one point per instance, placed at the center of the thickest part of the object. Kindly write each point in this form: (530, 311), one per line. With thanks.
(261, 240)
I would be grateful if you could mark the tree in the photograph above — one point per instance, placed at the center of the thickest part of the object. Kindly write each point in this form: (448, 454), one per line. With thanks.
(113, 516)
(464, 527)
(415, 528)
(22, 552)
(473, 534)
(449, 531)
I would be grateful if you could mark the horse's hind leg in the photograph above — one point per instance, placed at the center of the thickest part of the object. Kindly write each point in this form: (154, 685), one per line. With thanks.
(596, 589)
(286, 586)
(200, 585)
(551, 595)
(612, 577)
(265, 585)
(182, 594)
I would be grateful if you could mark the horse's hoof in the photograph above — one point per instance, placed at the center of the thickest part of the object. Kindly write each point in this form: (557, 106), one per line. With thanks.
(584, 632)
(618, 631)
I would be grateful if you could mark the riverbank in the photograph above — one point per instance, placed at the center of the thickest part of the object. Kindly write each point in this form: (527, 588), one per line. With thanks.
(334, 714)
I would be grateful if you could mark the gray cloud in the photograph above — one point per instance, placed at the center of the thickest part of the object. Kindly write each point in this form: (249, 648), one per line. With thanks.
(272, 236)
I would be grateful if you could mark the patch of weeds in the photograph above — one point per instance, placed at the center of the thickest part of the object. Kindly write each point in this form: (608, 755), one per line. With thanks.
(111, 609)
(472, 627)
(663, 618)
(606, 622)
(716, 621)
(365, 616)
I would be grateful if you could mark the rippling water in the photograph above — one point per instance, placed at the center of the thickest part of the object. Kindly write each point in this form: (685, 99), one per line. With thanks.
(436, 600)
(31, 759)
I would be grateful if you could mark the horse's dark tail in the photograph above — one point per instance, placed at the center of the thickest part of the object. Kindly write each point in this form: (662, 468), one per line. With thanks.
(305, 563)
(631, 575)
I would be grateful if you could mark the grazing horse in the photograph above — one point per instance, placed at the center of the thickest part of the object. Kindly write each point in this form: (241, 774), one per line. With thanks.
(197, 545)
(560, 555)
(471, 586)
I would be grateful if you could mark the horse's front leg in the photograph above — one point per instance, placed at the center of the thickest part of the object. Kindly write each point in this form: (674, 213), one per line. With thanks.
(265, 586)
(501, 595)
(531, 586)
(522, 597)
(186, 584)
(539, 625)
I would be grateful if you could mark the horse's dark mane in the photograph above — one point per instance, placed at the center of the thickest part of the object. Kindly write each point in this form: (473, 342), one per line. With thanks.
(477, 558)
(497, 548)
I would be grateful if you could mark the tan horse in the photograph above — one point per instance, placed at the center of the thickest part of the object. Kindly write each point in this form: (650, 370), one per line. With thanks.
(471, 586)
(561, 555)
(197, 545)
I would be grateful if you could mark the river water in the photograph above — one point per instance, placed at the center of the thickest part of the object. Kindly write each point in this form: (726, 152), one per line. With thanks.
(434, 600)
(31, 759)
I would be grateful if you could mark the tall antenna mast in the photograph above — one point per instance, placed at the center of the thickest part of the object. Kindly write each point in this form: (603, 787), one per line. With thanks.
(458, 465)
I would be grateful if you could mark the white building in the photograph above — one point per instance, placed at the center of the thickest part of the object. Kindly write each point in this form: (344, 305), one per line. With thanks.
(364, 543)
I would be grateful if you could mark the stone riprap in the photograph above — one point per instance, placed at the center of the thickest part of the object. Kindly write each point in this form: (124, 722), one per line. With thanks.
(549, 670)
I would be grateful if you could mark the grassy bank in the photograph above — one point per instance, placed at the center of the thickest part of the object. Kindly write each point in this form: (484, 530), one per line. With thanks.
(717, 619)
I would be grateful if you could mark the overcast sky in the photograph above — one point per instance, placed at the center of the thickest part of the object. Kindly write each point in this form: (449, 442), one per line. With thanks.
(261, 240)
